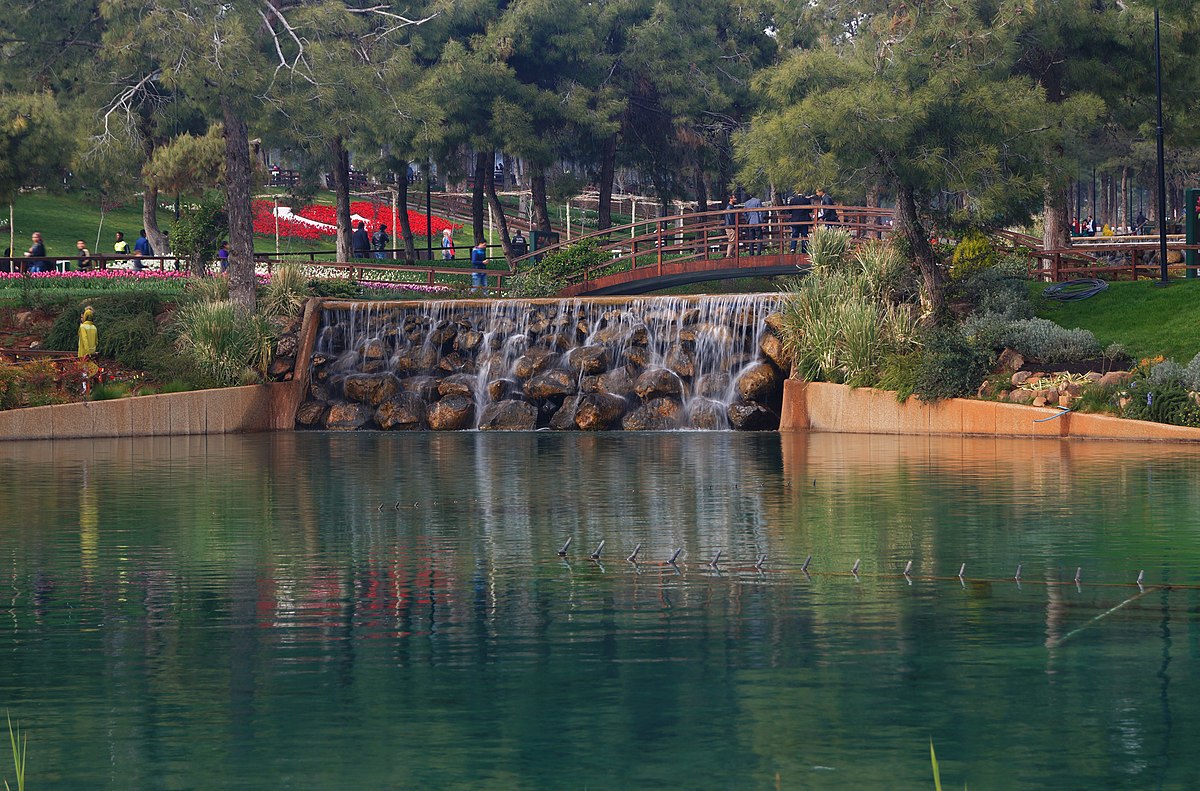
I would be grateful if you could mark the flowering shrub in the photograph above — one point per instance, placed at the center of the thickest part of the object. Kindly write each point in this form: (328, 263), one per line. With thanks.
(66, 279)
(322, 220)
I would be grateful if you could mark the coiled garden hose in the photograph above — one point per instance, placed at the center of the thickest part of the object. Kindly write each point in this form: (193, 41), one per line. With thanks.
(1075, 290)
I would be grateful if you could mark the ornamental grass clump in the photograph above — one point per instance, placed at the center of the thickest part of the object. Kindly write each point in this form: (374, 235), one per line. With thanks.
(284, 295)
(828, 246)
(225, 347)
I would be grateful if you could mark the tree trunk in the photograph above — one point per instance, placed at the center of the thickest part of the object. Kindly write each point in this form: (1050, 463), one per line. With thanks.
(541, 206)
(1056, 226)
(158, 241)
(701, 189)
(874, 194)
(498, 212)
(237, 209)
(341, 195)
(608, 168)
(482, 168)
(909, 225)
(406, 233)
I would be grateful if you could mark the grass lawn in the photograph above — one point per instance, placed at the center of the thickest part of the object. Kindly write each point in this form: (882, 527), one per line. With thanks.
(62, 219)
(1146, 319)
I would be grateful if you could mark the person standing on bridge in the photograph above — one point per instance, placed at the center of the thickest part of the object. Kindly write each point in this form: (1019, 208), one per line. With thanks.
(825, 213)
(801, 217)
(754, 230)
(731, 223)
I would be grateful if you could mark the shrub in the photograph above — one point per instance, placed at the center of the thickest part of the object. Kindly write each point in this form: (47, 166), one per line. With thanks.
(1191, 374)
(828, 246)
(1167, 373)
(1001, 290)
(109, 391)
(12, 391)
(950, 366)
(334, 287)
(207, 289)
(1162, 403)
(548, 276)
(285, 294)
(973, 253)
(883, 267)
(110, 309)
(1036, 339)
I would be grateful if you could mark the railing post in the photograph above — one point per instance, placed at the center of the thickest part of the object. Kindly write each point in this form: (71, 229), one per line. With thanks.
(1133, 260)
(737, 235)
(659, 242)
(1056, 266)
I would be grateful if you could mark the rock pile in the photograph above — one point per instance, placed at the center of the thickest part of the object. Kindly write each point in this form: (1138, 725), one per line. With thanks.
(644, 364)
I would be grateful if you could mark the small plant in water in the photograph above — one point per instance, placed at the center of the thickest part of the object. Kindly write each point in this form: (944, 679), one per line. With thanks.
(19, 743)
(937, 775)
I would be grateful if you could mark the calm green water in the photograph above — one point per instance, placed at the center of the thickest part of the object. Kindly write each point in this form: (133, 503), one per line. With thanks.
(237, 613)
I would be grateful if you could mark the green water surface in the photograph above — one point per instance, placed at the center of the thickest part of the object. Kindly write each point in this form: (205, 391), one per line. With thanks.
(238, 613)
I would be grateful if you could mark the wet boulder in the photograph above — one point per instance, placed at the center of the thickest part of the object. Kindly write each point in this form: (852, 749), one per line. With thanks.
(752, 416)
(468, 341)
(458, 384)
(637, 357)
(588, 359)
(371, 389)
(310, 413)
(403, 412)
(564, 418)
(706, 414)
(424, 386)
(658, 414)
(347, 416)
(509, 416)
(681, 360)
(656, 383)
(773, 349)
(713, 385)
(599, 411)
(452, 413)
(758, 382)
(550, 385)
(533, 362)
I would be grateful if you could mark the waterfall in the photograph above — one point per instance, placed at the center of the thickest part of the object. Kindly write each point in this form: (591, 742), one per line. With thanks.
(711, 362)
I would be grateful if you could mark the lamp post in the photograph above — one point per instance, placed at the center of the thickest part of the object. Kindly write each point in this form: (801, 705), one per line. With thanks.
(428, 216)
(1162, 179)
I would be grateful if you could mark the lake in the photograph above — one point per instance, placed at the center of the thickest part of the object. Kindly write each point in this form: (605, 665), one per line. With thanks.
(388, 611)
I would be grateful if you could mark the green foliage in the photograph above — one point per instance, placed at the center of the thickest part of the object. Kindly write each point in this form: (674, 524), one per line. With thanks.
(20, 744)
(109, 391)
(199, 232)
(1035, 339)
(207, 289)
(950, 366)
(1099, 399)
(828, 246)
(221, 344)
(973, 253)
(188, 163)
(1162, 403)
(124, 325)
(1191, 374)
(548, 276)
(1167, 373)
(12, 392)
(1000, 290)
(334, 287)
(285, 294)
(900, 374)
(35, 143)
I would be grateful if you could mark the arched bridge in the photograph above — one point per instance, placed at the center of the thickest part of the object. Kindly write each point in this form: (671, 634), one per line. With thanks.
(687, 248)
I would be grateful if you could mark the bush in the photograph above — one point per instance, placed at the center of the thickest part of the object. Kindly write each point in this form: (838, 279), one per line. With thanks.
(1191, 374)
(207, 289)
(973, 253)
(548, 276)
(334, 287)
(1167, 373)
(117, 315)
(1035, 339)
(1001, 290)
(1162, 403)
(12, 393)
(109, 391)
(950, 367)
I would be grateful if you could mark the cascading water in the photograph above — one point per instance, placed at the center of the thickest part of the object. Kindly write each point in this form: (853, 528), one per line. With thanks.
(658, 363)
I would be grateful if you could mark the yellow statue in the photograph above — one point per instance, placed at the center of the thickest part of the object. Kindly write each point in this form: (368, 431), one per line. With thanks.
(87, 334)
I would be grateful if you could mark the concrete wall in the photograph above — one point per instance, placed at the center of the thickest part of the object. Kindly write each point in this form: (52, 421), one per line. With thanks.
(228, 410)
(819, 406)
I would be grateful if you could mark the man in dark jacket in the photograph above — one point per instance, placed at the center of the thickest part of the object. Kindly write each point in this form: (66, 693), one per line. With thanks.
(825, 211)
(360, 243)
(801, 218)
(730, 219)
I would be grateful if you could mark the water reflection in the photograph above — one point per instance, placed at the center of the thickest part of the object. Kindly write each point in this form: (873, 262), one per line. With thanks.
(238, 612)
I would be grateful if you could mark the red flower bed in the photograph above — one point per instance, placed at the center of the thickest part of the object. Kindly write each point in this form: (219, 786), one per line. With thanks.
(264, 220)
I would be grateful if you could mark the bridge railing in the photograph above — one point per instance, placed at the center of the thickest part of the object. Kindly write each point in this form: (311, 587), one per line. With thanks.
(714, 235)
(1112, 260)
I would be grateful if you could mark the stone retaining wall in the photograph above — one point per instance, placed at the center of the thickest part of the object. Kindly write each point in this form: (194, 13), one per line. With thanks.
(820, 406)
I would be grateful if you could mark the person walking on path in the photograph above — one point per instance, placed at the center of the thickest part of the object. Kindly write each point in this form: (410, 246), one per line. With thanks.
(447, 245)
(37, 254)
(730, 219)
(479, 265)
(379, 240)
(754, 230)
(85, 257)
(360, 243)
